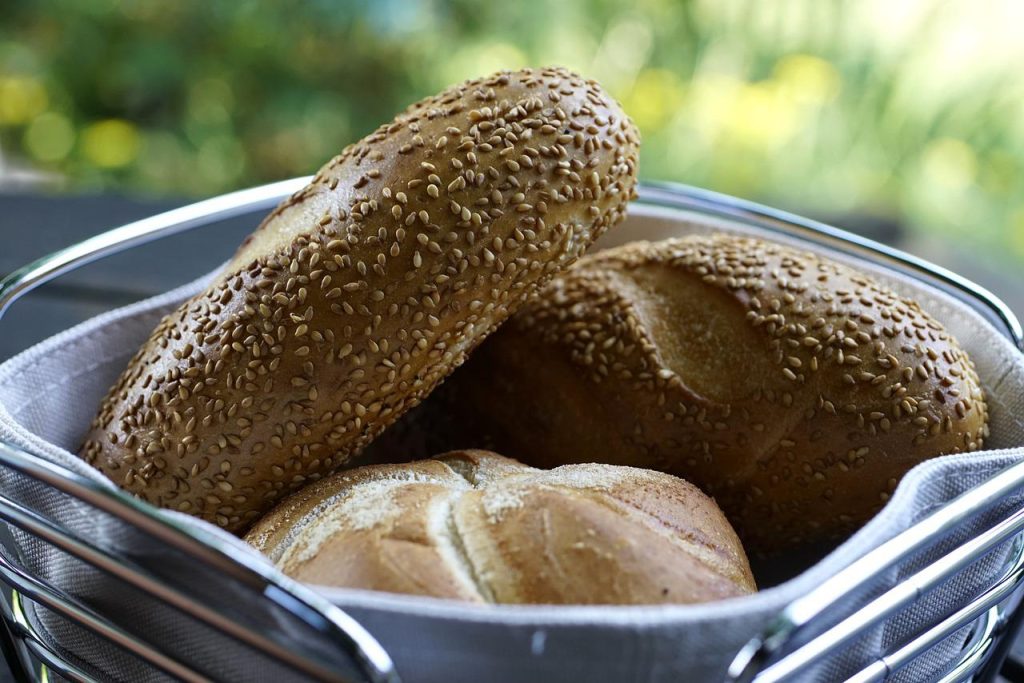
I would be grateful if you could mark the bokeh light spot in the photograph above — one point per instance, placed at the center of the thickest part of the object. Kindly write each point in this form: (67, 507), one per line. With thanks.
(761, 117)
(210, 101)
(950, 163)
(21, 100)
(624, 50)
(1017, 231)
(50, 137)
(709, 100)
(481, 59)
(112, 143)
(654, 98)
(807, 79)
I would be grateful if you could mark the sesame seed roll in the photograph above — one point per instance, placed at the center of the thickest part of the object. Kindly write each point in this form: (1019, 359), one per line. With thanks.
(793, 389)
(361, 292)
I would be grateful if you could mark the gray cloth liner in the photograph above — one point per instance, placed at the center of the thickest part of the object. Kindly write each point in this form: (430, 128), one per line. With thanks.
(49, 393)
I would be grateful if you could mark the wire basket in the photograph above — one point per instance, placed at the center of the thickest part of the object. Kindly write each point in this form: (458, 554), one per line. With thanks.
(299, 633)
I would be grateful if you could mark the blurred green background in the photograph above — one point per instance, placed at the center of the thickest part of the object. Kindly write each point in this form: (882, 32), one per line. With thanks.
(904, 113)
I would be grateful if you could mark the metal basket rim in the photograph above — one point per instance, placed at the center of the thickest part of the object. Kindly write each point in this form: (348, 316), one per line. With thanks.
(667, 195)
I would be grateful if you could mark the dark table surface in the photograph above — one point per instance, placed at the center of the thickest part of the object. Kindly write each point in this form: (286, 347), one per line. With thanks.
(32, 226)
(35, 226)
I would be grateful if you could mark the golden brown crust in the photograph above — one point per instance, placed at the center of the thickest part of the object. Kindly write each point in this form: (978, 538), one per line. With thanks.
(473, 525)
(795, 390)
(357, 295)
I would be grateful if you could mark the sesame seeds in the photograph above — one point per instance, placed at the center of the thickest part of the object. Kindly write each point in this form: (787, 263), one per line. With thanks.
(367, 302)
(836, 377)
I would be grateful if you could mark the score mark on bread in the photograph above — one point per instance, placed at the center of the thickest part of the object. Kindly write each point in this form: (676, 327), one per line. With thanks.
(795, 390)
(475, 526)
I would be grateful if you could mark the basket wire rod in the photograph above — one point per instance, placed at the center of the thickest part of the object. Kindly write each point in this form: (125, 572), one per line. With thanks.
(10, 649)
(984, 603)
(314, 611)
(899, 596)
(121, 505)
(33, 523)
(756, 654)
(973, 659)
(70, 608)
(13, 632)
(35, 648)
(142, 231)
(266, 196)
(688, 197)
(301, 603)
(64, 668)
(1011, 619)
(978, 651)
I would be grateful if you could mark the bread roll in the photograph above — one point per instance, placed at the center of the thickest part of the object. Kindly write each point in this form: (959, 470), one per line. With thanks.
(358, 294)
(794, 390)
(475, 526)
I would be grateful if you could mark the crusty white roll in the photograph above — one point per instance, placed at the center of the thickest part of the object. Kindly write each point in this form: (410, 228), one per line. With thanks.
(357, 295)
(472, 525)
(795, 390)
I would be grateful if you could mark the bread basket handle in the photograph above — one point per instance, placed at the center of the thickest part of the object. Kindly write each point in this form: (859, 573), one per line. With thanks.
(166, 224)
(674, 195)
(689, 198)
(364, 651)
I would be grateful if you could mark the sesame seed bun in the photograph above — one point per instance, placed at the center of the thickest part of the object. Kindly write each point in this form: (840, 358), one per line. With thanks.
(794, 390)
(358, 294)
(475, 526)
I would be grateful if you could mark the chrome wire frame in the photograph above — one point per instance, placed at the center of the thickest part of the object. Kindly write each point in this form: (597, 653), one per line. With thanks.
(795, 642)
(770, 657)
(987, 304)
(302, 607)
